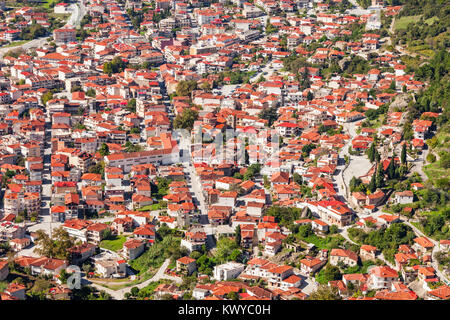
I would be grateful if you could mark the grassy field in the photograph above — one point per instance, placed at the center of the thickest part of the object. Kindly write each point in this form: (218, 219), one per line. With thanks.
(324, 243)
(403, 22)
(16, 43)
(431, 20)
(424, 50)
(113, 245)
(63, 16)
(152, 207)
(46, 3)
(42, 3)
(434, 170)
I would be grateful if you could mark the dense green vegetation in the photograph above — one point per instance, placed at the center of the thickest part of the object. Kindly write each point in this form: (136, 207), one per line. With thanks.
(115, 66)
(227, 250)
(386, 240)
(423, 25)
(269, 114)
(153, 258)
(328, 273)
(236, 76)
(435, 99)
(161, 187)
(55, 247)
(186, 119)
(284, 215)
(185, 87)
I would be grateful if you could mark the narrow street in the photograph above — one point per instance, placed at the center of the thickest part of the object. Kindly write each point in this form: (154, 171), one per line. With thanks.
(358, 165)
(79, 10)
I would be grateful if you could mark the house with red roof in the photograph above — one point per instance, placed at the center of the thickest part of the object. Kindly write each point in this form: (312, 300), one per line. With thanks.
(381, 277)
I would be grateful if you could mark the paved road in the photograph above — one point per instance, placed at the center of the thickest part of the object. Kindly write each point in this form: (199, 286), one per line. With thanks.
(358, 166)
(266, 69)
(79, 10)
(46, 223)
(419, 163)
(31, 44)
(341, 187)
(119, 294)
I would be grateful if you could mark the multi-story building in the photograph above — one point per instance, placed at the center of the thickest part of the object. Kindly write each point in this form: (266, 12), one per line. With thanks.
(64, 35)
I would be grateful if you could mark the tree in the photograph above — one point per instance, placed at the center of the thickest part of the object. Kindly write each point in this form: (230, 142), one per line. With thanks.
(372, 184)
(297, 178)
(90, 93)
(270, 28)
(403, 154)
(115, 66)
(225, 247)
(134, 291)
(252, 170)
(130, 147)
(206, 86)
(205, 264)
(63, 276)
(269, 114)
(379, 180)
(391, 169)
(305, 230)
(135, 131)
(392, 85)
(233, 295)
(237, 175)
(445, 160)
(237, 238)
(186, 119)
(131, 105)
(306, 149)
(46, 97)
(55, 247)
(185, 87)
(431, 158)
(104, 150)
(334, 229)
(330, 273)
(372, 153)
(33, 31)
(325, 292)
(377, 156)
(235, 255)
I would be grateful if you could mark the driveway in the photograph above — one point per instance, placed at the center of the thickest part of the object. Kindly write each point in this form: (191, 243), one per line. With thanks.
(119, 294)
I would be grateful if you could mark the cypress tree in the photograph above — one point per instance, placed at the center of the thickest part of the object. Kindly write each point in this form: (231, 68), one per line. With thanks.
(371, 152)
(403, 155)
(391, 169)
(238, 235)
(377, 156)
(379, 181)
(372, 186)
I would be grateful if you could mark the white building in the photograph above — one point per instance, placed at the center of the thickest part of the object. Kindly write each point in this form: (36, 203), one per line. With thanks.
(381, 277)
(227, 271)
